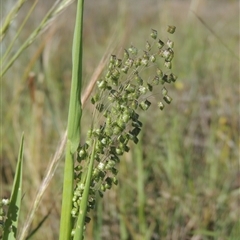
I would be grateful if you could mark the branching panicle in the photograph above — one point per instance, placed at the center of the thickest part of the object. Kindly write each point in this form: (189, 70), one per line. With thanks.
(122, 93)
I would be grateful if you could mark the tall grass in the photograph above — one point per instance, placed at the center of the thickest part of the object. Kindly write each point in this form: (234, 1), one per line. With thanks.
(190, 155)
(73, 129)
(127, 91)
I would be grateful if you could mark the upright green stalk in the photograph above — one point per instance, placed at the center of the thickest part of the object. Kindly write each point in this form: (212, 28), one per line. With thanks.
(84, 203)
(74, 117)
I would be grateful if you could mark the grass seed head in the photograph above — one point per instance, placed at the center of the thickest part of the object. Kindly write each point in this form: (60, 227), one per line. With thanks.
(121, 94)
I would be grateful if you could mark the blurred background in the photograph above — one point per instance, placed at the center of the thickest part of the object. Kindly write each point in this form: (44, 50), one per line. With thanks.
(188, 185)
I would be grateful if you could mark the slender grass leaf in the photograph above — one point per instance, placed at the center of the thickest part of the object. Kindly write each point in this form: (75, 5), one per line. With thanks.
(79, 230)
(73, 129)
(11, 224)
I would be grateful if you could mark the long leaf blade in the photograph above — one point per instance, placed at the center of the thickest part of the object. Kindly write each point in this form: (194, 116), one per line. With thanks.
(73, 129)
(11, 224)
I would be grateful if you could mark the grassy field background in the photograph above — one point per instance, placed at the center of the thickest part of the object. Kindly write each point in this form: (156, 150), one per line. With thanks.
(183, 180)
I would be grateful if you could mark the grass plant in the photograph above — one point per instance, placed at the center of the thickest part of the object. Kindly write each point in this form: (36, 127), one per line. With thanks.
(11, 219)
(181, 180)
(73, 130)
(109, 141)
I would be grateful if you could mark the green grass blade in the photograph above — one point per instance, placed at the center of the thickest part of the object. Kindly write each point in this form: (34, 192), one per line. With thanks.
(66, 219)
(75, 107)
(11, 224)
(84, 202)
(74, 117)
